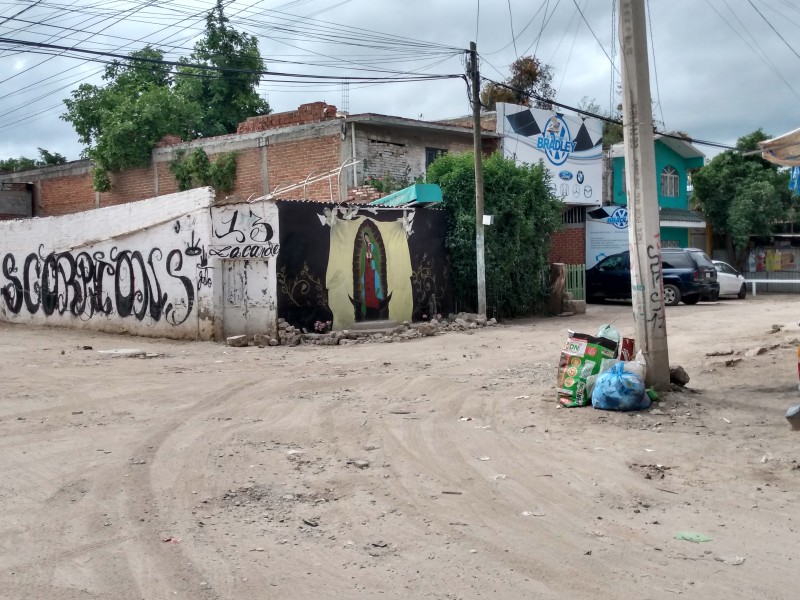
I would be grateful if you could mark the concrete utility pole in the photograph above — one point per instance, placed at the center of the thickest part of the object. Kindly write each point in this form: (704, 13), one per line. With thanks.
(640, 178)
(472, 71)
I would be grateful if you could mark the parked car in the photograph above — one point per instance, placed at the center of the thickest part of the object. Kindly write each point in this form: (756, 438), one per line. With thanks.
(731, 282)
(689, 276)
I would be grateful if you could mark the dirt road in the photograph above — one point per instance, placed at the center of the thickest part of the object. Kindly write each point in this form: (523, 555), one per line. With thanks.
(436, 468)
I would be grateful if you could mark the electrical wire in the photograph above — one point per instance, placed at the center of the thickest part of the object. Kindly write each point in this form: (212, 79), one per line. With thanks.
(608, 119)
(593, 34)
(755, 8)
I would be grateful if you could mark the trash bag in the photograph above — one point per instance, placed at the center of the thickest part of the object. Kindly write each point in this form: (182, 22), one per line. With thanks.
(616, 389)
(609, 332)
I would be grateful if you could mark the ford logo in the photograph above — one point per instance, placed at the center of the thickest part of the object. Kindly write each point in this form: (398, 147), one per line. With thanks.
(565, 175)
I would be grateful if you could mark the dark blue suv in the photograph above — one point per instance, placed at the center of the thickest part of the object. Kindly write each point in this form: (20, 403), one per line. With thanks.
(689, 276)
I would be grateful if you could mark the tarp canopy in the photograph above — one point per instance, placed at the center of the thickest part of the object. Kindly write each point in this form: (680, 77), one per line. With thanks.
(413, 195)
(783, 150)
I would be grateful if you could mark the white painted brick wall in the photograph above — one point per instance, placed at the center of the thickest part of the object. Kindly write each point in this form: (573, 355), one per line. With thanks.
(131, 268)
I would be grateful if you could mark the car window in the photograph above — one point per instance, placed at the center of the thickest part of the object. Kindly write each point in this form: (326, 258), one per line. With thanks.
(725, 268)
(615, 262)
(676, 260)
(701, 260)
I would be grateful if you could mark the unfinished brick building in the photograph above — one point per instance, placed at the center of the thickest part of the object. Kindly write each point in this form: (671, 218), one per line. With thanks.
(273, 152)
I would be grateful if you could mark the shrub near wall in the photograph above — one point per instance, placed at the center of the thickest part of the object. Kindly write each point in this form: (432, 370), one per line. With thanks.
(526, 215)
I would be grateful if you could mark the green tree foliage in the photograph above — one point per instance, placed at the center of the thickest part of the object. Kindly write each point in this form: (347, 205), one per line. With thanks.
(525, 216)
(26, 164)
(143, 99)
(196, 170)
(228, 97)
(742, 195)
(120, 123)
(531, 81)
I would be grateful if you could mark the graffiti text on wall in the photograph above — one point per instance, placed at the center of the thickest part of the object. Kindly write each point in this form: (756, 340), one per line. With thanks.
(121, 282)
(240, 235)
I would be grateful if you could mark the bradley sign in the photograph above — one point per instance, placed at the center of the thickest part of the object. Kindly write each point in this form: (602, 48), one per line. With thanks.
(570, 147)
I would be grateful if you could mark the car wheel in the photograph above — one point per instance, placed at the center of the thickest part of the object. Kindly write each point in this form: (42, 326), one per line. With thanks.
(693, 299)
(672, 295)
(742, 292)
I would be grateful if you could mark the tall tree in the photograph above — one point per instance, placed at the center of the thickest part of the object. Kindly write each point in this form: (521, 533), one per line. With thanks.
(742, 195)
(530, 84)
(525, 216)
(121, 122)
(143, 99)
(228, 92)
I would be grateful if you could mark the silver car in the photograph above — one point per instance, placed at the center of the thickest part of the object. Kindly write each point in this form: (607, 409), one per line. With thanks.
(731, 282)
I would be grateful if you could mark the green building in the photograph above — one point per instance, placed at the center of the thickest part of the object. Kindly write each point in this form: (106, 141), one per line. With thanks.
(680, 226)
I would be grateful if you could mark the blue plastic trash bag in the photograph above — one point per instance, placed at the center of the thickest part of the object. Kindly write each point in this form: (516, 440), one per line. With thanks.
(616, 389)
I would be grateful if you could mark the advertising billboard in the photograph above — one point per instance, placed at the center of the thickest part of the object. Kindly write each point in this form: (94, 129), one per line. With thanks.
(606, 233)
(571, 148)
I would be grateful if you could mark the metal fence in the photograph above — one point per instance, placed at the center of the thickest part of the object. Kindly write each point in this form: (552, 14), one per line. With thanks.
(576, 281)
(786, 282)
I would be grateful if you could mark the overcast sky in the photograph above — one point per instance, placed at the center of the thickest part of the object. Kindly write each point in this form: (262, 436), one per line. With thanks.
(722, 68)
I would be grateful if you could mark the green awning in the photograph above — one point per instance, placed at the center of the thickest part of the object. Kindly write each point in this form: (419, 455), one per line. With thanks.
(413, 195)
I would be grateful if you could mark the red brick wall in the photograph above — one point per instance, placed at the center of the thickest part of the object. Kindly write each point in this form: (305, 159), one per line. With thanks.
(568, 246)
(313, 112)
(166, 180)
(291, 162)
(129, 186)
(248, 174)
(64, 195)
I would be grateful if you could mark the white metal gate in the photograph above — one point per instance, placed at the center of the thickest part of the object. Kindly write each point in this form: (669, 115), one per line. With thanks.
(247, 306)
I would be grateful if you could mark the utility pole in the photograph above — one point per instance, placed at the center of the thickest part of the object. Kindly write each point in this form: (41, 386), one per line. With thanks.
(647, 279)
(473, 72)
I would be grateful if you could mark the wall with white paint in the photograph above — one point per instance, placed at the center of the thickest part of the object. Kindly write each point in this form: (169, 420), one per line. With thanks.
(243, 250)
(141, 268)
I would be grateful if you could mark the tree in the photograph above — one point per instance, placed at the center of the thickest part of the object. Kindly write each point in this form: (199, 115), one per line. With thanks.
(742, 195)
(529, 84)
(525, 216)
(120, 123)
(229, 96)
(144, 99)
(25, 164)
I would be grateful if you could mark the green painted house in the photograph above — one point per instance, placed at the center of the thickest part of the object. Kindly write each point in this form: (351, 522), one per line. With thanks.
(680, 227)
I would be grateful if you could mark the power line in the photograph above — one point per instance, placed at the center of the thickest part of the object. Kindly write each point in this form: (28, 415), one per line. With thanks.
(608, 119)
(511, 19)
(760, 52)
(96, 53)
(593, 34)
(773, 29)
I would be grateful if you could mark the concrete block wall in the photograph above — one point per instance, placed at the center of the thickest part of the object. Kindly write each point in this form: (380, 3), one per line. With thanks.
(131, 268)
(401, 153)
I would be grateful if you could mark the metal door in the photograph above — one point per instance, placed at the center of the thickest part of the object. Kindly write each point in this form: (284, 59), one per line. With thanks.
(247, 306)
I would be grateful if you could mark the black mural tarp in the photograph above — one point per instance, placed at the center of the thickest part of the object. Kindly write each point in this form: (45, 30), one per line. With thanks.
(304, 253)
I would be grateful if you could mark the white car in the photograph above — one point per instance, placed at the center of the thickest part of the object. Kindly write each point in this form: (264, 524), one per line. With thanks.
(731, 282)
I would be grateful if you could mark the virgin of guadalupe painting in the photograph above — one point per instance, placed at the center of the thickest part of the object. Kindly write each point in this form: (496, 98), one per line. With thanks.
(371, 302)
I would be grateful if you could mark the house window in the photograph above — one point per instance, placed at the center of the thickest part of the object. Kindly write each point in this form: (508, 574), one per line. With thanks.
(670, 182)
(431, 154)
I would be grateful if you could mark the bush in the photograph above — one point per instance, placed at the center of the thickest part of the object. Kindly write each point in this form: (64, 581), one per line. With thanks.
(526, 214)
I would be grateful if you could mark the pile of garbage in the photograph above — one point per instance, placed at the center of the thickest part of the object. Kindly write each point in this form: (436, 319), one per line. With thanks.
(601, 370)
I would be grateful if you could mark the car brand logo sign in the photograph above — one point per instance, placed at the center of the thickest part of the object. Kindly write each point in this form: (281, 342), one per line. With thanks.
(619, 218)
(556, 141)
(565, 175)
